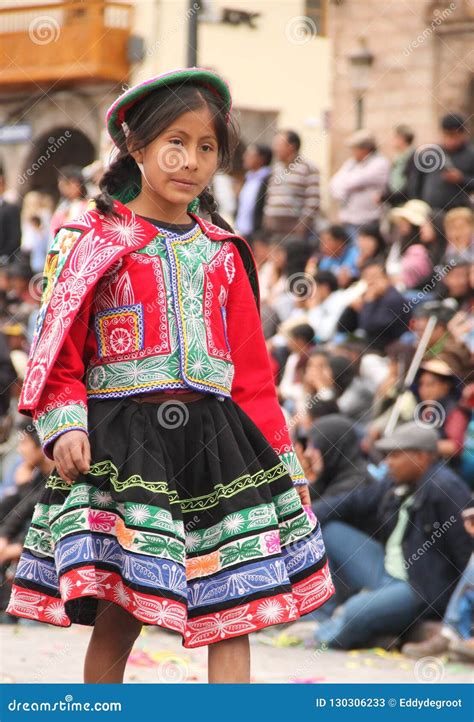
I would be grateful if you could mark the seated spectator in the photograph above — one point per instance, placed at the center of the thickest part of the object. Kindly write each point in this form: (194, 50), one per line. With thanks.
(291, 388)
(338, 255)
(383, 583)
(327, 376)
(22, 297)
(408, 262)
(456, 633)
(455, 283)
(381, 313)
(286, 278)
(325, 305)
(459, 232)
(436, 388)
(370, 244)
(388, 391)
(332, 461)
(442, 344)
(433, 238)
(17, 506)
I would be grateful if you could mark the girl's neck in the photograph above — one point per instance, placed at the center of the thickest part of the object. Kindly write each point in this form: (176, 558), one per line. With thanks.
(160, 209)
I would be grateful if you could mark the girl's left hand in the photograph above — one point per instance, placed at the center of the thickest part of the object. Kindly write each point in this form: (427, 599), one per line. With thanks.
(303, 491)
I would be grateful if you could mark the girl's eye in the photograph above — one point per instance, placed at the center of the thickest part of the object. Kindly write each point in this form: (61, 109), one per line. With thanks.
(176, 140)
(208, 147)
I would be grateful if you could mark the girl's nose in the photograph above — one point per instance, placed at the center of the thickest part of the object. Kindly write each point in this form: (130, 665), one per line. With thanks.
(191, 159)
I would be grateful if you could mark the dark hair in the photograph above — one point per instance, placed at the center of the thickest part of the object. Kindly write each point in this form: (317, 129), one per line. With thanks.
(264, 151)
(303, 331)
(150, 117)
(373, 230)
(375, 261)
(338, 232)
(20, 269)
(326, 278)
(405, 132)
(292, 138)
(297, 252)
(27, 427)
(74, 173)
(322, 407)
(453, 121)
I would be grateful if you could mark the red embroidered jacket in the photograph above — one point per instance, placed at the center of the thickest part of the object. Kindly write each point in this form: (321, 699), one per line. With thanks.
(128, 308)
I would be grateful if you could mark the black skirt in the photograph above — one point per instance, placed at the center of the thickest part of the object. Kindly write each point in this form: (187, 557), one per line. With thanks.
(187, 519)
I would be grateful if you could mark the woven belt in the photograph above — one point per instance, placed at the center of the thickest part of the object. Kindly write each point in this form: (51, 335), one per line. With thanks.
(185, 397)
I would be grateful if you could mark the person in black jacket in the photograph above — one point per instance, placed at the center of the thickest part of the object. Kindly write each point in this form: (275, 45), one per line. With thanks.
(445, 172)
(381, 314)
(10, 226)
(408, 569)
(252, 196)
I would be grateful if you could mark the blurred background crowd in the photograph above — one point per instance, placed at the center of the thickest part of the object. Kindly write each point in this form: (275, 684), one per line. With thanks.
(369, 327)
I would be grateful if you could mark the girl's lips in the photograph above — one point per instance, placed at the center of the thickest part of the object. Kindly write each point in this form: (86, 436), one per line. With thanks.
(183, 184)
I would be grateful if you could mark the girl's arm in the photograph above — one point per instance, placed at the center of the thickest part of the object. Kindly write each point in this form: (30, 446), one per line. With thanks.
(63, 402)
(253, 387)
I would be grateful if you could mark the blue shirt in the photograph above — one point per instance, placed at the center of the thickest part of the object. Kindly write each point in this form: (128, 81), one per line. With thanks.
(348, 259)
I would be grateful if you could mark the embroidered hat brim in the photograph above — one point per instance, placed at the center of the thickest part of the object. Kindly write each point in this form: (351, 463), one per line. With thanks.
(202, 76)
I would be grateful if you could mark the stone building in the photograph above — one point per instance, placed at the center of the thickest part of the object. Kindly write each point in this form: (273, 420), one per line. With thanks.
(395, 62)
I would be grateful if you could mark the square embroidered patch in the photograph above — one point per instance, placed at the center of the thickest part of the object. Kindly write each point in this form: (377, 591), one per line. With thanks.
(119, 330)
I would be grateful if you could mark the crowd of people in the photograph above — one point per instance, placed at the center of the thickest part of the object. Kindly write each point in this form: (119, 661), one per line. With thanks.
(367, 313)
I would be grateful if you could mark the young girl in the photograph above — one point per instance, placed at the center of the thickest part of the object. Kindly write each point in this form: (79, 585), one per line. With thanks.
(177, 499)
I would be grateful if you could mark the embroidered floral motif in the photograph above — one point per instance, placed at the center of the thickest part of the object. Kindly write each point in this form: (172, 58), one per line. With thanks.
(119, 330)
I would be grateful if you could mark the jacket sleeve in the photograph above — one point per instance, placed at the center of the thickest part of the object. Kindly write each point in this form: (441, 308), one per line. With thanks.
(253, 387)
(63, 402)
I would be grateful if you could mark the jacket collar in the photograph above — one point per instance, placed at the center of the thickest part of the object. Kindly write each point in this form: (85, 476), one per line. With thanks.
(215, 233)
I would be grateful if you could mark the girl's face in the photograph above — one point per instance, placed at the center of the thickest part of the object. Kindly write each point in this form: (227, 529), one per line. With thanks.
(181, 161)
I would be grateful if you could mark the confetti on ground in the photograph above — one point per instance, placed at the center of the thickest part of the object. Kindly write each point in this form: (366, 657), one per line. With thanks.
(281, 640)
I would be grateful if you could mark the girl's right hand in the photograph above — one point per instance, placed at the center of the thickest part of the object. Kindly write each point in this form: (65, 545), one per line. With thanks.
(72, 454)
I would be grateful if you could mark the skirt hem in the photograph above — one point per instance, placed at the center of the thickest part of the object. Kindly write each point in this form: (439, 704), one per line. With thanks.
(305, 597)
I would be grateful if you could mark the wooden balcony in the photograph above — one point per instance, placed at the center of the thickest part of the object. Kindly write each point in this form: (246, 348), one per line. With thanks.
(64, 42)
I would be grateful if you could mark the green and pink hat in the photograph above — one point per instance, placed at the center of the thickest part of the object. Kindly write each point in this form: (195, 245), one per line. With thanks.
(115, 118)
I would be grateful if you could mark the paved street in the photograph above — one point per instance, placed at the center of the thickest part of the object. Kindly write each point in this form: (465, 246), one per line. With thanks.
(39, 653)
